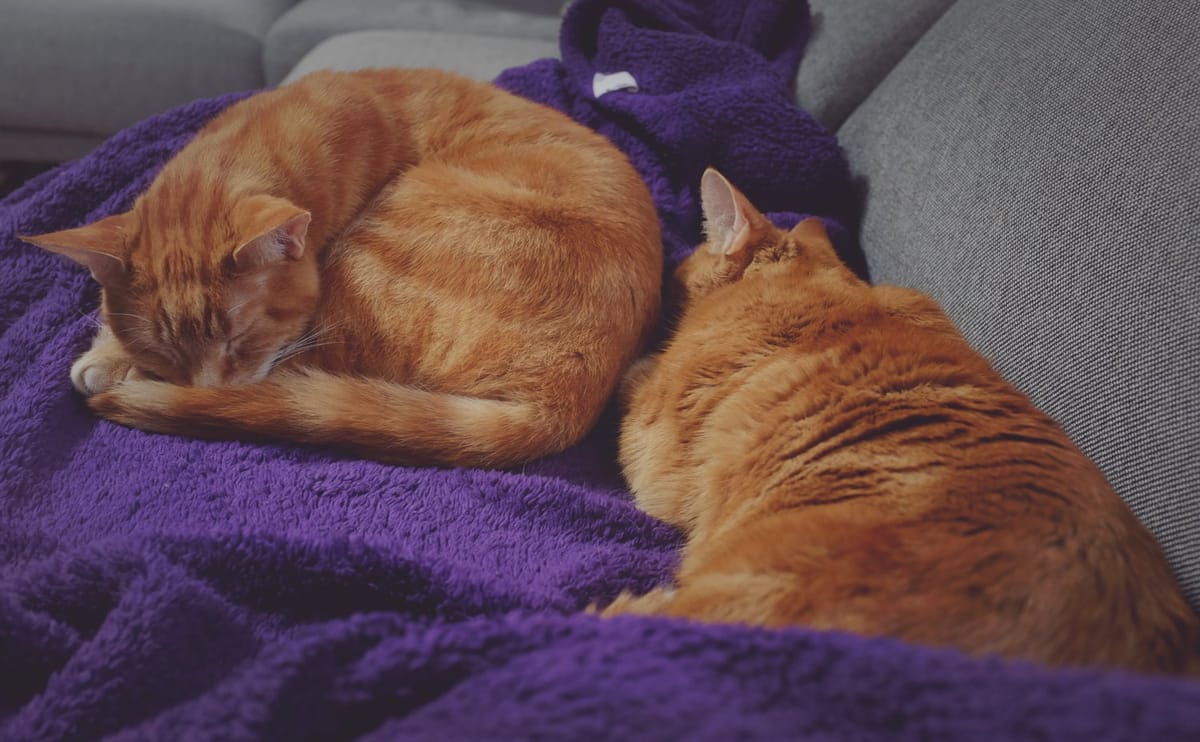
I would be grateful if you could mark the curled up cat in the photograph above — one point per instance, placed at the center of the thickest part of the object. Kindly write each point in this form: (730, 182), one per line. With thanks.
(407, 264)
(840, 458)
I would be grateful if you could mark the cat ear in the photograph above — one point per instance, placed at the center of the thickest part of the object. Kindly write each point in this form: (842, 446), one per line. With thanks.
(810, 233)
(100, 247)
(729, 218)
(270, 230)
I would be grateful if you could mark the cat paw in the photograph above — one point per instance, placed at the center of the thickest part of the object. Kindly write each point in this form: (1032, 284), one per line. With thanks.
(97, 372)
(628, 604)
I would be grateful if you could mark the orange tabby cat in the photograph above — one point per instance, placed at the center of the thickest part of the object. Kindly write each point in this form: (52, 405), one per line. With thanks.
(840, 458)
(416, 266)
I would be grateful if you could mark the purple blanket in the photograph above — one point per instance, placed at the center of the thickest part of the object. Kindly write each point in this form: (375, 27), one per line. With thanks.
(155, 587)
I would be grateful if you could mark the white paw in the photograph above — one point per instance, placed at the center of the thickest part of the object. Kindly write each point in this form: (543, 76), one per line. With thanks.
(97, 371)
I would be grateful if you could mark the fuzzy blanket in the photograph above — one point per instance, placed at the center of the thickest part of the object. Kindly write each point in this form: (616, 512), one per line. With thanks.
(154, 587)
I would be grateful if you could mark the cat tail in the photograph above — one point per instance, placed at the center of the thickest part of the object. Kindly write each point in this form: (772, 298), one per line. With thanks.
(382, 420)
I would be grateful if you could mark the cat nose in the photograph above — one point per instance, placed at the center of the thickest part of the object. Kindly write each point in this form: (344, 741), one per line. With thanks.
(206, 376)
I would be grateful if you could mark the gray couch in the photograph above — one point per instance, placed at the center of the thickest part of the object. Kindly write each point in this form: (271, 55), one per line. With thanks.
(73, 73)
(1035, 166)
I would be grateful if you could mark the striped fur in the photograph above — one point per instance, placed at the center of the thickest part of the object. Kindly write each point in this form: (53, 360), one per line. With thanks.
(418, 267)
(840, 458)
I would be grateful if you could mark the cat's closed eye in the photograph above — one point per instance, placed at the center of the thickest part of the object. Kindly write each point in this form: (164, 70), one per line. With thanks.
(233, 342)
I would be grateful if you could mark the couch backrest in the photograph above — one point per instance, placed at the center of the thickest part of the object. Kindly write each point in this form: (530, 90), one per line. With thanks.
(1036, 167)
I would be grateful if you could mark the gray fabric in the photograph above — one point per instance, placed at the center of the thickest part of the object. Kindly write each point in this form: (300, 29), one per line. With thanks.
(32, 145)
(1036, 167)
(478, 57)
(97, 66)
(854, 44)
(313, 21)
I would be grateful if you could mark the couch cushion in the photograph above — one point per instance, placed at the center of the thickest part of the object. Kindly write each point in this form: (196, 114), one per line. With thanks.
(853, 45)
(39, 145)
(1036, 167)
(94, 67)
(313, 21)
(479, 57)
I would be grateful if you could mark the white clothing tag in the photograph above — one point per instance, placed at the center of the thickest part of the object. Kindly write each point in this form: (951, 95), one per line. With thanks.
(603, 84)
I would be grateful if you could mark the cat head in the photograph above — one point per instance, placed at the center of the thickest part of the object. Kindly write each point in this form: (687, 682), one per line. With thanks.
(740, 242)
(201, 299)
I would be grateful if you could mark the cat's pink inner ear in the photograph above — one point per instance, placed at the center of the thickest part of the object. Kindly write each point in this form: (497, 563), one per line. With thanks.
(726, 219)
(277, 232)
(100, 247)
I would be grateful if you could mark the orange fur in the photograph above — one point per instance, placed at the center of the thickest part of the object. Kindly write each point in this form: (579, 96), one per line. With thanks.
(840, 458)
(422, 268)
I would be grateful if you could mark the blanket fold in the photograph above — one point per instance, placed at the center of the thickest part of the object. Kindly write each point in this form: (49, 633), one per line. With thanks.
(155, 587)
(714, 89)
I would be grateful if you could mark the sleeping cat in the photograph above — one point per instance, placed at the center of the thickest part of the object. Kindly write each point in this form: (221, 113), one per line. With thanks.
(840, 458)
(406, 263)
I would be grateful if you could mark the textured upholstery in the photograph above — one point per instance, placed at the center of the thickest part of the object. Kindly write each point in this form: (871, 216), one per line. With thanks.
(37, 145)
(1036, 167)
(854, 43)
(479, 57)
(313, 21)
(78, 68)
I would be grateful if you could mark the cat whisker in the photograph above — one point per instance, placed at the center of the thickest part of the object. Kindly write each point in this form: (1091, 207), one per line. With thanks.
(300, 344)
(142, 321)
(309, 346)
(311, 335)
(308, 340)
(294, 350)
(323, 329)
(91, 318)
